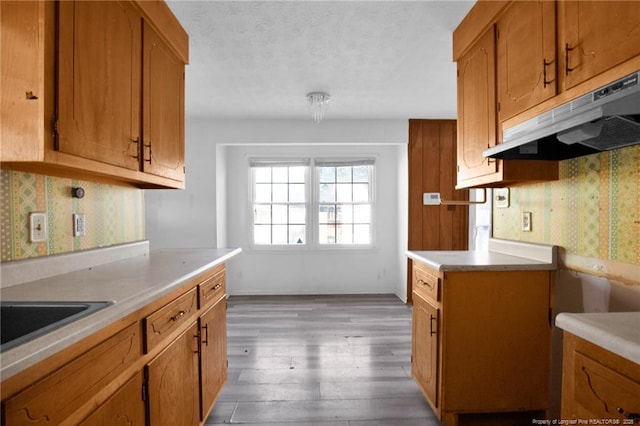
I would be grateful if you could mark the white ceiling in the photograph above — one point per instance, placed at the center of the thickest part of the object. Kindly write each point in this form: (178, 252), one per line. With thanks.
(377, 59)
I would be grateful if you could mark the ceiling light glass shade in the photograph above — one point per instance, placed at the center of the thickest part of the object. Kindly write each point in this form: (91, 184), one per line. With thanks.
(318, 103)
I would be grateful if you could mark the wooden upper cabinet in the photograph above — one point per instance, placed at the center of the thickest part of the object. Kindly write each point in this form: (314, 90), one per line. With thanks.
(79, 82)
(99, 81)
(596, 36)
(526, 49)
(476, 109)
(163, 108)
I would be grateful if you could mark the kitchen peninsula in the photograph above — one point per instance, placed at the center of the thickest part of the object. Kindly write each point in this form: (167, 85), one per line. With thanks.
(481, 338)
(167, 317)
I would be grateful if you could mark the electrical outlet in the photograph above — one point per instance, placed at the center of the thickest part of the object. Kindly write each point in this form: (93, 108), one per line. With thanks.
(526, 221)
(78, 225)
(37, 227)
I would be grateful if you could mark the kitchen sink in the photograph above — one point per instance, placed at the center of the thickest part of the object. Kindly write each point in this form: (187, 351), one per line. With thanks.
(22, 321)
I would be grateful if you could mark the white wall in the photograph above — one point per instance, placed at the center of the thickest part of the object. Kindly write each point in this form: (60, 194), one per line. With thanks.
(212, 211)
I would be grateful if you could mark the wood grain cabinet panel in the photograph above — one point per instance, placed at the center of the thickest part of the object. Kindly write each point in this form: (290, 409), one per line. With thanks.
(163, 111)
(526, 54)
(99, 81)
(596, 36)
(173, 383)
(124, 408)
(159, 325)
(484, 348)
(213, 354)
(58, 395)
(477, 109)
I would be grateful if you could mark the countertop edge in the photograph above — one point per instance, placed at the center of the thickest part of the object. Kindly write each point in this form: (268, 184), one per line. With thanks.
(576, 325)
(18, 359)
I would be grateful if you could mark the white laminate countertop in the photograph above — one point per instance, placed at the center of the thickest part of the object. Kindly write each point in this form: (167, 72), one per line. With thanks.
(617, 332)
(130, 283)
(502, 255)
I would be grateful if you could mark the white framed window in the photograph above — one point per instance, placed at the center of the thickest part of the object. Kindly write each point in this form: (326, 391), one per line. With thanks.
(344, 201)
(279, 202)
(320, 203)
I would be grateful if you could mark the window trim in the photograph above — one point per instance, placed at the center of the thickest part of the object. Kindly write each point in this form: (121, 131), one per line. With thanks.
(312, 203)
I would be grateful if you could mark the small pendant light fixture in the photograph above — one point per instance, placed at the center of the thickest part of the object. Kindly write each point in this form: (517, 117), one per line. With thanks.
(318, 103)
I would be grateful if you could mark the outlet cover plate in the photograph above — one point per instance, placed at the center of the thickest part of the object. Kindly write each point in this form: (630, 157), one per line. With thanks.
(501, 198)
(78, 225)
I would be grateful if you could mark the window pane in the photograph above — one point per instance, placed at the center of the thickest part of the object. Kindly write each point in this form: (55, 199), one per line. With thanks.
(327, 174)
(262, 234)
(281, 174)
(297, 214)
(327, 192)
(362, 234)
(326, 234)
(280, 234)
(296, 193)
(361, 173)
(344, 174)
(360, 192)
(344, 192)
(279, 213)
(263, 193)
(344, 234)
(280, 193)
(296, 174)
(344, 213)
(262, 214)
(362, 214)
(327, 214)
(296, 234)
(262, 174)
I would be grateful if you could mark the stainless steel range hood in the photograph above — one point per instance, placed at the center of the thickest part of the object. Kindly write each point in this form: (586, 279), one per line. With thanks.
(604, 119)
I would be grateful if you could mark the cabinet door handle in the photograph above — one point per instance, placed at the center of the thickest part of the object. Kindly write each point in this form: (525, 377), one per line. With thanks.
(178, 316)
(545, 64)
(431, 330)
(150, 153)
(567, 49)
(206, 334)
(137, 142)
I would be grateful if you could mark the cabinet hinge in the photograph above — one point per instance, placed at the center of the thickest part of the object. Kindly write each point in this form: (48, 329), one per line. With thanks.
(498, 106)
(184, 169)
(497, 32)
(145, 392)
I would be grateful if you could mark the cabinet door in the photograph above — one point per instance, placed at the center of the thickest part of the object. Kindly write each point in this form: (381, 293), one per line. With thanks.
(99, 81)
(424, 364)
(163, 109)
(476, 109)
(124, 408)
(213, 360)
(172, 376)
(598, 35)
(526, 49)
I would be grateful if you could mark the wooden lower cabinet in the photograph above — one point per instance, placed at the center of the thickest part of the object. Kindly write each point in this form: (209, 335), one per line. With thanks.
(481, 344)
(172, 383)
(125, 407)
(166, 367)
(598, 384)
(213, 355)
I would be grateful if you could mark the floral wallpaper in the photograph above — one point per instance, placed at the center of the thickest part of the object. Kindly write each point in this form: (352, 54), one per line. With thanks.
(593, 210)
(113, 214)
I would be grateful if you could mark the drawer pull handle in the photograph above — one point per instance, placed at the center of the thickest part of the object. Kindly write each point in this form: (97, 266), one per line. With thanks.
(425, 283)
(206, 335)
(217, 286)
(178, 316)
(431, 329)
(628, 415)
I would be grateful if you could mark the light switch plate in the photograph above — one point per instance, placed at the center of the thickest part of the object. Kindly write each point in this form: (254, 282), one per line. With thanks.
(78, 225)
(37, 227)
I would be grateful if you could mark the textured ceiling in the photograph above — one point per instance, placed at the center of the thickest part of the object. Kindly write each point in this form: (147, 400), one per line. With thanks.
(380, 59)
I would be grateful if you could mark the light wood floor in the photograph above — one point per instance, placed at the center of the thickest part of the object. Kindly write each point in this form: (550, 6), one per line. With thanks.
(321, 361)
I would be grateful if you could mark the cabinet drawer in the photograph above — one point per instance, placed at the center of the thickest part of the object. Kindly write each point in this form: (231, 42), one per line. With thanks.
(169, 318)
(61, 393)
(212, 289)
(602, 391)
(426, 284)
